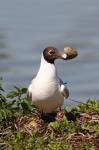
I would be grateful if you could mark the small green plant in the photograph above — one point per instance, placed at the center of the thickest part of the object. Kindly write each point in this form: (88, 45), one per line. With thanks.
(90, 105)
(55, 125)
(83, 133)
(13, 104)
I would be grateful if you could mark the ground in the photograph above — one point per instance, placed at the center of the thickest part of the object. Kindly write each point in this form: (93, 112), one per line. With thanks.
(23, 127)
(77, 129)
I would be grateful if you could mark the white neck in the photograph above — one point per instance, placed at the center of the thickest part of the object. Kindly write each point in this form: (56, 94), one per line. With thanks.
(47, 70)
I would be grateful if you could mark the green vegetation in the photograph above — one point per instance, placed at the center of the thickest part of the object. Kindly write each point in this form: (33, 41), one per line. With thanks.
(22, 127)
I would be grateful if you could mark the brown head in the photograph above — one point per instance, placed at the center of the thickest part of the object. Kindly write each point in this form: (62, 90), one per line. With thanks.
(51, 54)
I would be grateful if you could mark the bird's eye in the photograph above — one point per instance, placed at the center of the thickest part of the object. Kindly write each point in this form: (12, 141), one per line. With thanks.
(51, 52)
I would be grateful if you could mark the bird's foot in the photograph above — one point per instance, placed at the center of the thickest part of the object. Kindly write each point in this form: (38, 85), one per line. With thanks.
(48, 117)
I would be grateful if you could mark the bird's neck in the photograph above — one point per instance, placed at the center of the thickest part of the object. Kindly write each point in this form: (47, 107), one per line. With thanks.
(47, 70)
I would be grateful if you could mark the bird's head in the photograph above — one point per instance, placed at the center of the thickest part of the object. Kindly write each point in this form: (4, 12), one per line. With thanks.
(50, 54)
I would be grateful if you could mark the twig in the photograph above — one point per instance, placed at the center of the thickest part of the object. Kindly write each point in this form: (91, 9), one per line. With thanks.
(77, 101)
(4, 133)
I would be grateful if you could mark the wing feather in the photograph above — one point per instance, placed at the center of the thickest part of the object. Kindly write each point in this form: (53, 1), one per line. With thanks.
(63, 89)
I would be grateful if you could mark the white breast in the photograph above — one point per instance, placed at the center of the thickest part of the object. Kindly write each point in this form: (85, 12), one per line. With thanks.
(45, 88)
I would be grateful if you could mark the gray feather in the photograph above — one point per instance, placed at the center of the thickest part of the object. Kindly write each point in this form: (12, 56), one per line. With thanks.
(63, 89)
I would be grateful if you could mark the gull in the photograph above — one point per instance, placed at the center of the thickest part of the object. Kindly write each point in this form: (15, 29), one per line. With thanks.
(47, 91)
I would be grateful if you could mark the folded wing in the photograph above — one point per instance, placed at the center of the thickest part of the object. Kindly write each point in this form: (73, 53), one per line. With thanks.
(63, 89)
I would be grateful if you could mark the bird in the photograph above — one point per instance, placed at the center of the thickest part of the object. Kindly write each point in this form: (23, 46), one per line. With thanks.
(47, 91)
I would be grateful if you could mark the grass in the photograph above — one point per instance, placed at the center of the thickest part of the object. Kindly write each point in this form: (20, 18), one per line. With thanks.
(22, 127)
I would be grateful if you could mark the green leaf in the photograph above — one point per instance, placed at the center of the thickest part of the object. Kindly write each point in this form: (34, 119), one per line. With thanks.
(17, 88)
(2, 97)
(12, 94)
(64, 123)
(23, 90)
(55, 125)
(1, 89)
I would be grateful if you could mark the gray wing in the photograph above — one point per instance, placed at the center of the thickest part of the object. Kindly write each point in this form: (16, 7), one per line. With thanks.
(63, 89)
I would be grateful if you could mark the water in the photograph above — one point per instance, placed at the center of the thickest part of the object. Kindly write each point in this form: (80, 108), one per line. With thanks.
(27, 27)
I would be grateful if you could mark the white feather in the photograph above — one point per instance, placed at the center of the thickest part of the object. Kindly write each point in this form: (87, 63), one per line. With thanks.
(46, 88)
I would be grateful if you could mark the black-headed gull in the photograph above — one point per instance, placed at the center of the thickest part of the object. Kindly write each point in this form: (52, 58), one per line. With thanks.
(47, 91)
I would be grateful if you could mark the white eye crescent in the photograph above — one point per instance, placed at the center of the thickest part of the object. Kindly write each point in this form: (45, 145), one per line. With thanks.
(51, 52)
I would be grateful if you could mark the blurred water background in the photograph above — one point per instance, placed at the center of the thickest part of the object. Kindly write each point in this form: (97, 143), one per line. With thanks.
(27, 27)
